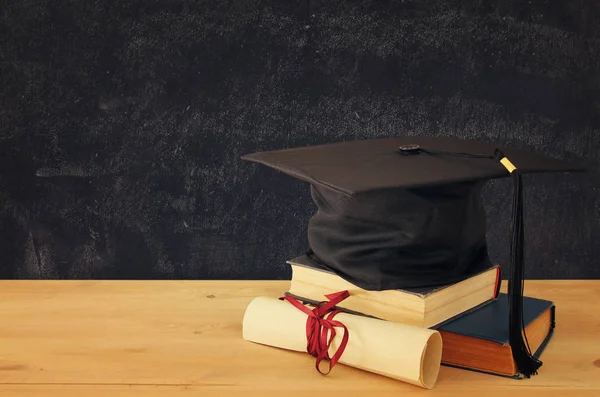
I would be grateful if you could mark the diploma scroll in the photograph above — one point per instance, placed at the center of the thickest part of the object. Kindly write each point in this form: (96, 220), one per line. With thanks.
(403, 352)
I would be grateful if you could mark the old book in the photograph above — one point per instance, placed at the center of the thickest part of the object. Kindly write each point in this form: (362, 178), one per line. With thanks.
(479, 340)
(422, 307)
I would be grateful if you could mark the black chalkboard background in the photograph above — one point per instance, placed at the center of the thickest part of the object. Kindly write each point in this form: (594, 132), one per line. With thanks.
(122, 123)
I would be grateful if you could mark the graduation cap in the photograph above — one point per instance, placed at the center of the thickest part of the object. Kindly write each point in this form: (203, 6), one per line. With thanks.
(407, 212)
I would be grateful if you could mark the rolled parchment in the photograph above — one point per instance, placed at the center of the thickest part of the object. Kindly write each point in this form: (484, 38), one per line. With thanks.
(408, 353)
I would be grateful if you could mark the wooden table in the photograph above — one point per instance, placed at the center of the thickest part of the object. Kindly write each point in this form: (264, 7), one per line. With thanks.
(164, 338)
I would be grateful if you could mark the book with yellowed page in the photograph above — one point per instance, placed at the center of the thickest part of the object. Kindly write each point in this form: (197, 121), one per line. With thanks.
(422, 307)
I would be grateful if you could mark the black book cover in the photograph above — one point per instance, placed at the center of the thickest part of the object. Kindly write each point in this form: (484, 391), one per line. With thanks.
(490, 322)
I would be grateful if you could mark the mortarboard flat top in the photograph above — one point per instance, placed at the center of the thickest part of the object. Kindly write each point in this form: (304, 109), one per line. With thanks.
(355, 167)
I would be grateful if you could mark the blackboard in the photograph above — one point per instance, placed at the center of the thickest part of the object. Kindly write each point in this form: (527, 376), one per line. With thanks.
(122, 124)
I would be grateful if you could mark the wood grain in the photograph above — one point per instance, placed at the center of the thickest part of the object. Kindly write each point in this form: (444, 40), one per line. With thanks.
(172, 337)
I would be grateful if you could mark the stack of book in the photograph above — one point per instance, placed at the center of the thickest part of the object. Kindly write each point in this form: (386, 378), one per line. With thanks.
(471, 315)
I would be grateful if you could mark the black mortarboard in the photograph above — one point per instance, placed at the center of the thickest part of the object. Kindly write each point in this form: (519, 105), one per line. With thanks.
(407, 212)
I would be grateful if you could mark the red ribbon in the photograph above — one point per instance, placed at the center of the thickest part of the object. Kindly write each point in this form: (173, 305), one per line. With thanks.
(320, 329)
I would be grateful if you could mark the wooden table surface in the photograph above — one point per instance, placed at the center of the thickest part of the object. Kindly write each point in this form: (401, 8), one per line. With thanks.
(173, 338)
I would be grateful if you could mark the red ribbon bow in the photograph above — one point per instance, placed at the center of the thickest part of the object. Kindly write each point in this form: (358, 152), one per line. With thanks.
(319, 325)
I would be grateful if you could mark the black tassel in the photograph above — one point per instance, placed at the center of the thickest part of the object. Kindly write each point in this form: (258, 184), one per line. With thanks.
(526, 363)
